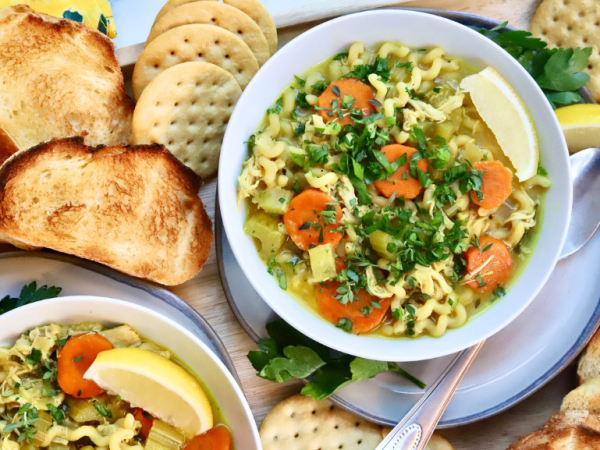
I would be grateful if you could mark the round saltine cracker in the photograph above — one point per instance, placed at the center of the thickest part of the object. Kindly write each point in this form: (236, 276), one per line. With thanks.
(301, 423)
(220, 15)
(252, 8)
(204, 43)
(572, 23)
(186, 108)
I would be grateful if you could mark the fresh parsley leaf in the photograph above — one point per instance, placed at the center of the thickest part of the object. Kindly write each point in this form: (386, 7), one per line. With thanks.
(498, 293)
(379, 67)
(345, 324)
(299, 130)
(301, 100)
(77, 358)
(57, 414)
(320, 86)
(147, 415)
(296, 187)
(62, 342)
(407, 65)
(342, 373)
(302, 357)
(297, 362)
(542, 171)
(34, 357)
(558, 71)
(103, 410)
(276, 108)
(29, 294)
(300, 81)
(563, 70)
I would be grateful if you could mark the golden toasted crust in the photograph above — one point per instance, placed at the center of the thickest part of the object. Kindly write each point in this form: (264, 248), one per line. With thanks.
(59, 78)
(572, 23)
(589, 363)
(135, 208)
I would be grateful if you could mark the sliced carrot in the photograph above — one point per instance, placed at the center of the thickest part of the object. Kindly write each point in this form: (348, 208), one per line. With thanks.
(74, 360)
(217, 438)
(360, 92)
(496, 272)
(140, 416)
(496, 186)
(332, 310)
(409, 188)
(305, 210)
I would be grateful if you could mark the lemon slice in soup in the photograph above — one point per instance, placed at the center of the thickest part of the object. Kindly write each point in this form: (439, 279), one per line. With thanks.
(509, 119)
(155, 384)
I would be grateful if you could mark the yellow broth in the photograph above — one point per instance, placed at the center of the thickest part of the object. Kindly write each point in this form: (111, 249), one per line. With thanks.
(463, 128)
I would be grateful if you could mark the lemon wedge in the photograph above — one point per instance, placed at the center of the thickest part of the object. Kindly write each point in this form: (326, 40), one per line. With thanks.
(580, 125)
(156, 384)
(509, 119)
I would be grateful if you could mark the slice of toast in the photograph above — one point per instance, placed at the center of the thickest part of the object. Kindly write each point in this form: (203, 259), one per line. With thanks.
(135, 208)
(58, 78)
(589, 363)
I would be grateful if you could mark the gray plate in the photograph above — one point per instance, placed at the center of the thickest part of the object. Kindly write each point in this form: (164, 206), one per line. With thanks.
(79, 277)
(516, 362)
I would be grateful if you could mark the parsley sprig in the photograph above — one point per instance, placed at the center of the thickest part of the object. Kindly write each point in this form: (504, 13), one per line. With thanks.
(288, 354)
(29, 294)
(558, 71)
(25, 426)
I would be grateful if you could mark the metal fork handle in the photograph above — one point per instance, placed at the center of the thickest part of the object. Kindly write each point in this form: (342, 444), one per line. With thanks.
(414, 431)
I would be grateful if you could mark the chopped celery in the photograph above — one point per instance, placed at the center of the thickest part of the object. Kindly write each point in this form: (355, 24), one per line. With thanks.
(473, 153)
(83, 410)
(275, 200)
(42, 425)
(163, 437)
(265, 228)
(445, 129)
(322, 262)
(380, 241)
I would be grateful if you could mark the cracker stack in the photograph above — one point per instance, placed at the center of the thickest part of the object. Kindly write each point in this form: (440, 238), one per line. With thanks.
(572, 23)
(577, 426)
(301, 423)
(198, 58)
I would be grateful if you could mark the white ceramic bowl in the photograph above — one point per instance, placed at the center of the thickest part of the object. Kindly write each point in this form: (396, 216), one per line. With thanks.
(163, 331)
(420, 30)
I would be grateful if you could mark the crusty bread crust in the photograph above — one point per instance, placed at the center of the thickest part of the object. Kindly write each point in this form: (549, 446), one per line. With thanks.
(134, 208)
(58, 78)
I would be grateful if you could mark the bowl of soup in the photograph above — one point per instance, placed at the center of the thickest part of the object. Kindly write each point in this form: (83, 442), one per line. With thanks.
(369, 203)
(89, 371)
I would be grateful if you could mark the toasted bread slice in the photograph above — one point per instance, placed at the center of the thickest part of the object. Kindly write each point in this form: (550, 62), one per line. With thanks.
(135, 209)
(584, 398)
(589, 363)
(59, 78)
(571, 438)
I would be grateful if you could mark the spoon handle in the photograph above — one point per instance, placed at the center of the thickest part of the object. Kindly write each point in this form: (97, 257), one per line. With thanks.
(413, 432)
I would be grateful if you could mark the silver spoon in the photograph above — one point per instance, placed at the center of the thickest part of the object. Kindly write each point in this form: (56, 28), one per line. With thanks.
(413, 432)
(585, 216)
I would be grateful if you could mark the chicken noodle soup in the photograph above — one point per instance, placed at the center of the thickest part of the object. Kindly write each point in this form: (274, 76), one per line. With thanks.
(379, 198)
(45, 401)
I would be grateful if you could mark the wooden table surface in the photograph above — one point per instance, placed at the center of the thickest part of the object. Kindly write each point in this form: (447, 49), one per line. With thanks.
(205, 292)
